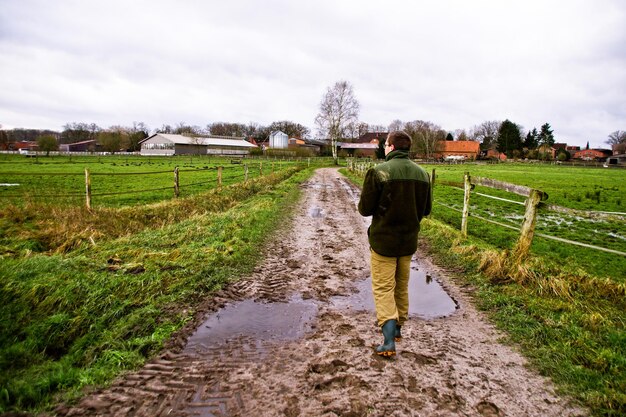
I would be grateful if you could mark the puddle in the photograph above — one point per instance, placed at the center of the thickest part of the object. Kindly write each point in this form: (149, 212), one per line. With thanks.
(256, 320)
(317, 212)
(427, 298)
(353, 192)
(316, 185)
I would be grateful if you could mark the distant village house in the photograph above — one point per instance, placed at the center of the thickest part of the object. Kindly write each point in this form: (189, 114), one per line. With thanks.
(593, 154)
(458, 149)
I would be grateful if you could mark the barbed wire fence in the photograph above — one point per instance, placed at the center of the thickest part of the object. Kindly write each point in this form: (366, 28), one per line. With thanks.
(220, 175)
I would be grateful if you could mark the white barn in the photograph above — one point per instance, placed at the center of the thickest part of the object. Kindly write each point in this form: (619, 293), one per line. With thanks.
(166, 144)
(279, 140)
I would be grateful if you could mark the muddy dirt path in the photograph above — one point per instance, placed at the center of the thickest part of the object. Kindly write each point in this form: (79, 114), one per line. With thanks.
(296, 338)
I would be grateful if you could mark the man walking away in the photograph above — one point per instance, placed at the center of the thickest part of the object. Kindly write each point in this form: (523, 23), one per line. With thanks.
(397, 193)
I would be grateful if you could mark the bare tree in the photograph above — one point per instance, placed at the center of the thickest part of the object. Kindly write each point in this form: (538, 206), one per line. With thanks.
(617, 137)
(166, 129)
(138, 132)
(338, 109)
(185, 129)
(486, 133)
(356, 129)
(377, 129)
(426, 137)
(292, 129)
(227, 129)
(396, 125)
(111, 140)
(461, 134)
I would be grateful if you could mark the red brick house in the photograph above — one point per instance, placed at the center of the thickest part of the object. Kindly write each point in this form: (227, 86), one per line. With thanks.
(464, 149)
(494, 154)
(593, 154)
(26, 145)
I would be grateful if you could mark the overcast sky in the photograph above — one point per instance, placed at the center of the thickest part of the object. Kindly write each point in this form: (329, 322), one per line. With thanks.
(455, 63)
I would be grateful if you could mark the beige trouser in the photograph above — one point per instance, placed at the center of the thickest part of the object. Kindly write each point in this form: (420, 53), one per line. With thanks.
(390, 285)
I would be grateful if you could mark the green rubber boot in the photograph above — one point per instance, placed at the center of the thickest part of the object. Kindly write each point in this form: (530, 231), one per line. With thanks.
(398, 333)
(388, 348)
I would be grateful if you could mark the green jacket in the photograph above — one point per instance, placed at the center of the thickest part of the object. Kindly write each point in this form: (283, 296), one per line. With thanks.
(397, 194)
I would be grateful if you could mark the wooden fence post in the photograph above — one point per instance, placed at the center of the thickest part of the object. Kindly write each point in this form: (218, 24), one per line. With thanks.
(466, 198)
(176, 183)
(432, 180)
(87, 189)
(522, 248)
(219, 176)
(245, 172)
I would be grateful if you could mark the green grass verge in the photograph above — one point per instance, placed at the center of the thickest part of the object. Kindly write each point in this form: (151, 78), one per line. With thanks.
(81, 317)
(569, 323)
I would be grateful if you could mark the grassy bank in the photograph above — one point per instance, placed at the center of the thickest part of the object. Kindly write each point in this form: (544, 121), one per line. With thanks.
(80, 314)
(568, 322)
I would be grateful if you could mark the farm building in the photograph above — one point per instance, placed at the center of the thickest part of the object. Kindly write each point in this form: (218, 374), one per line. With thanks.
(279, 140)
(460, 149)
(358, 149)
(617, 160)
(166, 144)
(84, 146)
(495, 154)
(304, 144)
(619, 148)
(364, 145)
(372, 137)
(26, 145)
(593, 154)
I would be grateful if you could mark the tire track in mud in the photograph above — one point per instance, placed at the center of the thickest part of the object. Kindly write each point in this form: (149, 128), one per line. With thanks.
(444, 367)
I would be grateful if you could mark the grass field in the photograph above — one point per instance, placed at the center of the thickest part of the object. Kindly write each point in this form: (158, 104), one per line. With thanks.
(118, 181)
(587, 189)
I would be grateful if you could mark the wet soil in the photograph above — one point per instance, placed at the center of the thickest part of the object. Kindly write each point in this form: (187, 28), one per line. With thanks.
(297, 338)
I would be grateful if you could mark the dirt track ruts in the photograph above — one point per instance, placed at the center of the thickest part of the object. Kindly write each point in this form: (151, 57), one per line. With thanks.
(452, 366)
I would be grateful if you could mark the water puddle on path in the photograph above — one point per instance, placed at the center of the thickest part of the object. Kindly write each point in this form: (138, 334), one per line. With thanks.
(276, 321)
(254, 322)
(316, 212)
(427, 298)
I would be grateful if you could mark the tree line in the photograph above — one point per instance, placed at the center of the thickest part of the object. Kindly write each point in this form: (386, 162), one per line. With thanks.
(337, 120)
(128, 138)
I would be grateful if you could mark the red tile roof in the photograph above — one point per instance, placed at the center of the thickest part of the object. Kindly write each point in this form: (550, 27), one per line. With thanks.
(460, 147)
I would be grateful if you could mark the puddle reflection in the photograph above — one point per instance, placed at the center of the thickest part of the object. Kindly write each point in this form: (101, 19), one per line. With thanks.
(316, 212)
(427, 298)
(257, 320)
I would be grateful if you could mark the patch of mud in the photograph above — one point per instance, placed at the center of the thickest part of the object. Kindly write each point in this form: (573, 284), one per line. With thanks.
(283, 345)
